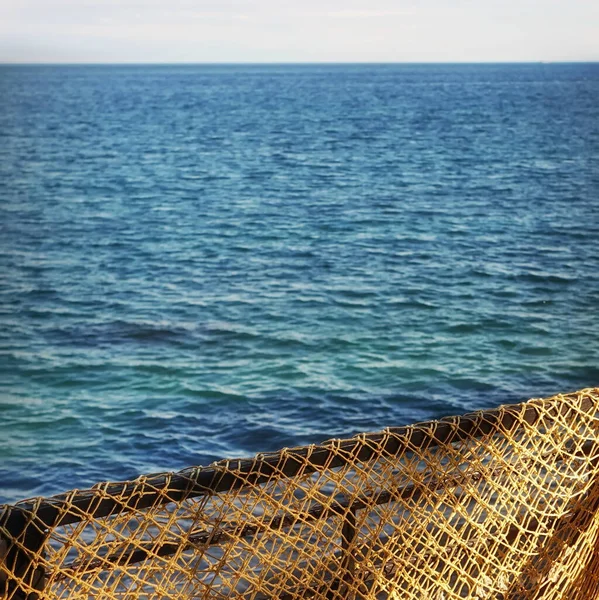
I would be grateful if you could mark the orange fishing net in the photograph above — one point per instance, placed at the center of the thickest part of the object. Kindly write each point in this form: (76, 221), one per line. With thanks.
(496, 504)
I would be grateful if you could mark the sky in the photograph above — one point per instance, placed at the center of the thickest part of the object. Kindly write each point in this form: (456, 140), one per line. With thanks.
(167, 31)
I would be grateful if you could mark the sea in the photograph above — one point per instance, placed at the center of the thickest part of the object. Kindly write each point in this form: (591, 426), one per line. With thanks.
(210, 261)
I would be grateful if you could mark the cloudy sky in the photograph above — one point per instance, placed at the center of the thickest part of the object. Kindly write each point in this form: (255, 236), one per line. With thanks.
(298, 31)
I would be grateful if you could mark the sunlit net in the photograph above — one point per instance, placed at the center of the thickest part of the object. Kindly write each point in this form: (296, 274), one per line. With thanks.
(495, 504)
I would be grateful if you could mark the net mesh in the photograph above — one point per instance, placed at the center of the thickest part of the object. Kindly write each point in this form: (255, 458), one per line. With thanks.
(495, 504)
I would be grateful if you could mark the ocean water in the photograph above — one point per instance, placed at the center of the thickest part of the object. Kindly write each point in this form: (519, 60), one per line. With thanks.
(200, 262)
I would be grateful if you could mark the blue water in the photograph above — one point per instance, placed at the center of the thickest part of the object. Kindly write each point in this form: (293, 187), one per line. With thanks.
(200, 262)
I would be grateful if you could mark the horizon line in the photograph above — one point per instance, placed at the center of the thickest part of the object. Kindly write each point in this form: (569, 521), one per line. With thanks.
(278, 63)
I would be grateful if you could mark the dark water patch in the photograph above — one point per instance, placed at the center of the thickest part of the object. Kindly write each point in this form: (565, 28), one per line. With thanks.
(580, 375)
(507, 343)
(535, 351)
(19, 481)
(90, 335)
(469, 384)
(141, 369)
(252, 438)
(463, 328)
(547, 278)
(40, 294)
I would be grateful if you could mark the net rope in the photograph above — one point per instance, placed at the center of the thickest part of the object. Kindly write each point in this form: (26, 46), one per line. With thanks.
(494, 504)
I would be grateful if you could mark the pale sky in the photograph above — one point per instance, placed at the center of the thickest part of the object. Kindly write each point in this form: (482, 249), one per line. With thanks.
(298, 31)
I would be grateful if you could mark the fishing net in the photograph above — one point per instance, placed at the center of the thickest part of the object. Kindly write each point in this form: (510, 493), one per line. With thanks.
(495, 504)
